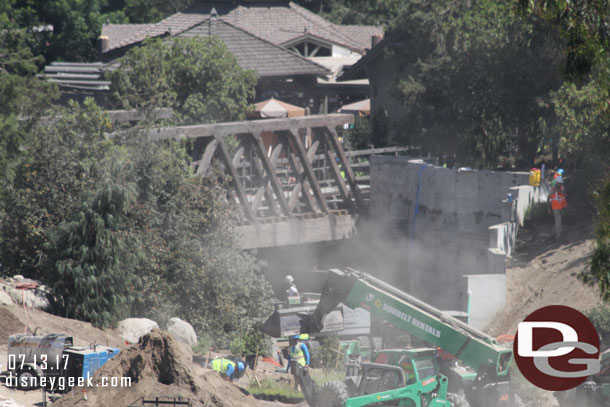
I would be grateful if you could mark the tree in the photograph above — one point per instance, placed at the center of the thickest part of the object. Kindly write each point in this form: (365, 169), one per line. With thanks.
(60, 162)
(584, 26)
(581, 105)
(146, 11)
(92, 258)
(598, 272)
(192, 267)
(198, 77)
(127, 229)
(476, 79)
(23, 97)
(358, 12)
(584, 121)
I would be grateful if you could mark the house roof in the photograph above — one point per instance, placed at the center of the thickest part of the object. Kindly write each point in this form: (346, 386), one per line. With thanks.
(275, 21)
(81, 76)
(255, 53)
(355, 71)
(117, 33)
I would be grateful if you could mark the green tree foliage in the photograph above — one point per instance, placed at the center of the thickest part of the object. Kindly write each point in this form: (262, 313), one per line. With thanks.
(599, 271)
(127, 229)
(93, 259)
(55, 168)
(198, 77)
(581, 104)
(584, 120)
(600, 317)
(359, 12)
(475, 79)
(193, 266)
(147, 11)
(584, 25)
(23, 97)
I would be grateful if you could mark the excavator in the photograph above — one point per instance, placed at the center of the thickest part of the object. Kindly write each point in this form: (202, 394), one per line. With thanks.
(475, 375)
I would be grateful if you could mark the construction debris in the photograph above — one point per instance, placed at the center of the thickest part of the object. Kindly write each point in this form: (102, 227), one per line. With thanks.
(157, 367)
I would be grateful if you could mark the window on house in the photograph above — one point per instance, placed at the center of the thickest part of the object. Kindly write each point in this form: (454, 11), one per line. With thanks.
(309, 48)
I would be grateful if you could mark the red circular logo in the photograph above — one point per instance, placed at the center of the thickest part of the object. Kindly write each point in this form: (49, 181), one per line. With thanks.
(556, 348)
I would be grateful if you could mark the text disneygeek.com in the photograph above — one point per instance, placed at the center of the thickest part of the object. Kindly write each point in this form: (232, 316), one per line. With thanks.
(62, 383)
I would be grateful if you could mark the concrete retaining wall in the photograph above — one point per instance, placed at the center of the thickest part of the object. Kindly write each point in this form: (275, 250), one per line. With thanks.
(437, 225)
(487, 293)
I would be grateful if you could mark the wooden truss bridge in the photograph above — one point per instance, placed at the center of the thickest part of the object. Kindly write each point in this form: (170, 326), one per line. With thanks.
(291, 177)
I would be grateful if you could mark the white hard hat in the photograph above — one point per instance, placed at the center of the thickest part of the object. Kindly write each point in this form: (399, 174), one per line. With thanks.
(289, 279)
(559, 179)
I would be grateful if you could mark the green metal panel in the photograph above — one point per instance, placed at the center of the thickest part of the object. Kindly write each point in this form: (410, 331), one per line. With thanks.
(409, 395)
(471, 350)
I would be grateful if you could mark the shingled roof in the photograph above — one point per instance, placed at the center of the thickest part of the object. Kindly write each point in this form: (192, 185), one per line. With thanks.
(277, 22)
(267, 59)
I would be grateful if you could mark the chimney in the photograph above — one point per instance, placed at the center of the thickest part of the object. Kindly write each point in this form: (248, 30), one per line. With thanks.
(375, 39)
(103, 43)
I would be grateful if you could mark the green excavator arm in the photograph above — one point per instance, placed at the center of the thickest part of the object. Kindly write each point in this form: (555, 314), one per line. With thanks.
(355, 289)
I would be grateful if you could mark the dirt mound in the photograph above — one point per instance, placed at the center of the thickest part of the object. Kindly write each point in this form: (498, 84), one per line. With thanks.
(16, 317)
(9, 325)
(157, 368)
(543, 271)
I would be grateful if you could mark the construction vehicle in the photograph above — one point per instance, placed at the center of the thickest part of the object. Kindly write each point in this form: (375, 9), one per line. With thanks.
(477, 376)
(51, 361)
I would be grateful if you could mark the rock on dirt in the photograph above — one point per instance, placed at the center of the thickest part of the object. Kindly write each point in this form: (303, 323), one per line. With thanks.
(132, 329)
(182, 331)
(157, 368)
(17, 290)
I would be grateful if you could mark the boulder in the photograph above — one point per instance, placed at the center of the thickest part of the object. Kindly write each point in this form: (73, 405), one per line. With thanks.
(5, 298)
(182, 331)
(134, 328)
(32, 298)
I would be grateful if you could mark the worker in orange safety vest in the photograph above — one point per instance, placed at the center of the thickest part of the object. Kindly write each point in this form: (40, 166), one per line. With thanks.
(557, 202)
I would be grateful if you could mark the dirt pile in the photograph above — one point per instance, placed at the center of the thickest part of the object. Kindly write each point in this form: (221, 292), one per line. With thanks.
(544, 271)
(9, 325)
(157, 368)
(13, 319)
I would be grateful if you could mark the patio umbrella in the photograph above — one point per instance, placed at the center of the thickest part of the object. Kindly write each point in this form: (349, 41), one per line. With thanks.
(360, 108)
(274, 109)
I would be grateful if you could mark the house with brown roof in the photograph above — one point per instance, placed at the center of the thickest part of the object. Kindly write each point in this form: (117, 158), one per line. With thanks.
(381, 68)
(296, 54)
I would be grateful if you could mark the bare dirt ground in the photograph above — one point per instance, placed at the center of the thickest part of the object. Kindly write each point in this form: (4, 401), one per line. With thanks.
(543, 271)
(162, 367)
(15, 319)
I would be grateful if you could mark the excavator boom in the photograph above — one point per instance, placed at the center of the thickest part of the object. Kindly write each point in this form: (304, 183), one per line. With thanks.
(356, 289)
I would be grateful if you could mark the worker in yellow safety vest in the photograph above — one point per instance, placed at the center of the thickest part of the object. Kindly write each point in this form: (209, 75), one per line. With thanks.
(229, 369)
(299, 355)
(557, 202)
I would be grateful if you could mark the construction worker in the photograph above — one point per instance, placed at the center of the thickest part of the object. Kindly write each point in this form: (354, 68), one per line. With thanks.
(292, 294)
(298, 356)
(228, 369)
(557, 202)
(558, 173)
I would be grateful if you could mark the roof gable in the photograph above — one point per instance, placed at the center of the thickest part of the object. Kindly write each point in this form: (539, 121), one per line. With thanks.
(267, 59)
(277, 22)
(355, 71)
